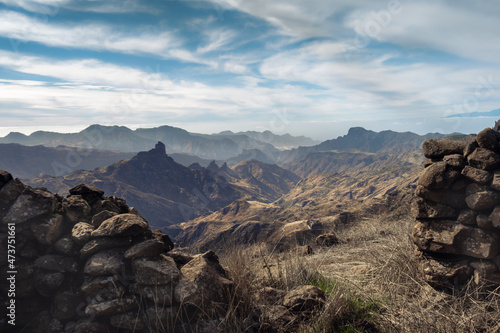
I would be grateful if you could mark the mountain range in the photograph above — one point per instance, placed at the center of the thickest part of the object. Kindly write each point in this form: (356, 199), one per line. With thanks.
(243, 197)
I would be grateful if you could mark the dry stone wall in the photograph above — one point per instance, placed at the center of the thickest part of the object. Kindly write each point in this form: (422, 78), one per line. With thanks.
(457, 231)
(90, 263)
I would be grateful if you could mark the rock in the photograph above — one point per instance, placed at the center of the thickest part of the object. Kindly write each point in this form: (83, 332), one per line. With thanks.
(44, 322)
(495, 183)
(484, 267)
(10, 192)
(65, 304)
(495, 217)
(128, 321)
(103, 243)
(168, 245)
(486, 280)
(64, 245)
(122, 225)
(304, 298)
(89, 193)
(456, 161)
(485, 200)
(484, 159)
(454, 198)
(488, 139)
(25, 270)
(422, 209)
(81, 233)
(327, 240)
(75, 208)
(149, 248)
(160, 295)
(155, 271)
(474, 188)
(180, 257)
(48, 283)
(437, 148)
(484, 221)
(105, 263)
(32, 203)
(469, 149)
(112, 307)
(438, 176)
(441, 273)
(477, 175)
(203, 281)
(269, 296)
(5, 177)
(57, 263)
(454, 238)
(105, 288)
(478, 243)
(48, 230)
(98, 218)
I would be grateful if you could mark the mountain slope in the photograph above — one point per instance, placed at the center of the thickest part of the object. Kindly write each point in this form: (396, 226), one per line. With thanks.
(32, 161)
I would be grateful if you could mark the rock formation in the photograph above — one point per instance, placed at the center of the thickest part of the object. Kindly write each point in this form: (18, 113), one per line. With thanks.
(457, 231)
(90, 263)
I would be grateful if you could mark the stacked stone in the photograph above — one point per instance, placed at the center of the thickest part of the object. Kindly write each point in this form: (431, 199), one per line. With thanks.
(90, 263)
(457, 232)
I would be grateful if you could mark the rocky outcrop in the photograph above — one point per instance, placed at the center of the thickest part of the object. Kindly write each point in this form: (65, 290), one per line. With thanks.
(457, 232)
(90, 263)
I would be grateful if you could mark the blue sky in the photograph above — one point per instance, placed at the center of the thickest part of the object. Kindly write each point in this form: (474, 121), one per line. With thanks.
(312, 68)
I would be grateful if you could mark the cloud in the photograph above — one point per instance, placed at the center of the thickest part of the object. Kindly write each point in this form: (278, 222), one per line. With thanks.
(94, 36)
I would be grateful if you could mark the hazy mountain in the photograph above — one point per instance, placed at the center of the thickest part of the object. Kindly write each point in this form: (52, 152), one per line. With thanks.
(359, 139)
(282, 142)
(176, 140)
(32, 161)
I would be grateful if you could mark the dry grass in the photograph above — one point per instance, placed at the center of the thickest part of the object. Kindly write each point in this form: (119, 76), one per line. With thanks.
(371, 280)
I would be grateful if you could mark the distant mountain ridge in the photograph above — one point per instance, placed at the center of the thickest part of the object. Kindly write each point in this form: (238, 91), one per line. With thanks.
(120, 138)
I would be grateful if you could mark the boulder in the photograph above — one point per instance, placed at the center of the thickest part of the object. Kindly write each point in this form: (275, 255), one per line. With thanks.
(422, 209)
(488, 139)
(438, 148)
(484, 200)
(102, 216)
(203, 281)
(484, 267)
(438, 176)
(81, 233)
(75, 208)
(495, 217)
(162, 270)
(105, 263)
(304, 298)
(10, 192)
(89, 326)
(484, 159)
(32, 203)
(112, 307)
(103, 243)
(89, 193)
(484, 222)
(441, 273)
(149, 248)
(467, 216)
(168, 245)
(65, 245)
(477, 175)
(495, 183)
(450, 198)
(49, 229)
(122, 225)
(57, 263)
(456, 161)
(47, 283)
(5, 177)
(65, 304)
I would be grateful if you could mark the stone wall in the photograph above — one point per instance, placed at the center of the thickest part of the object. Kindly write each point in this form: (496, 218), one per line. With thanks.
(457, 231)
(90, 263)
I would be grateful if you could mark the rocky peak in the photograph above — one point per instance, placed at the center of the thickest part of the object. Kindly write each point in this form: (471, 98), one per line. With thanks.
(160, 148)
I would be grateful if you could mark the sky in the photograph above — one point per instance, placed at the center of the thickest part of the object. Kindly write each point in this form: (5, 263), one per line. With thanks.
(313, 68)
